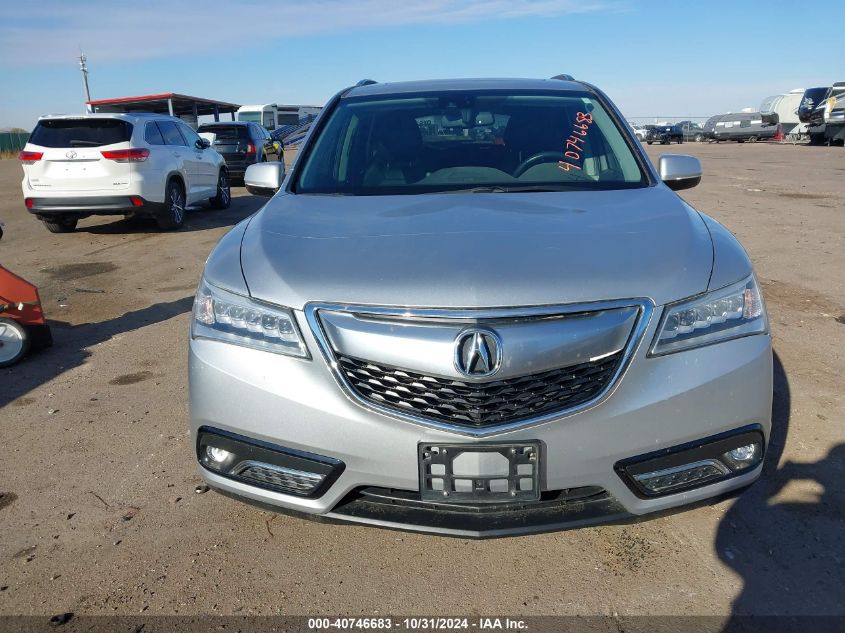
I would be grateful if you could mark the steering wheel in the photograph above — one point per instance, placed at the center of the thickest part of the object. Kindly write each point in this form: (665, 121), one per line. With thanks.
(537, 159)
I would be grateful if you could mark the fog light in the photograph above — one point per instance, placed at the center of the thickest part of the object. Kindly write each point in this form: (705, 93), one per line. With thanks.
(699, 463)
(666, 480)
(743, 456)
(217, 455)
(265, 465)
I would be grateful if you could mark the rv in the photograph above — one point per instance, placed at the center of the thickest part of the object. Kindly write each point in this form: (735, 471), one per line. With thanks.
(273, 116)
(811, 110)
(786, 107)
(741, 126)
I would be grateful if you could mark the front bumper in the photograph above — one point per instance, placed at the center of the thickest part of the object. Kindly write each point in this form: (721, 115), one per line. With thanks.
(659, 403)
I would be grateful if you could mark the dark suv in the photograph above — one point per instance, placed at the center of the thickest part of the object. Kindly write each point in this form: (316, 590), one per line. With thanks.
(664, 134)
(242, 144)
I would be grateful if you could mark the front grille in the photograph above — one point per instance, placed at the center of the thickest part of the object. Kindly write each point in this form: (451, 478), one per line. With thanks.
(478, 405)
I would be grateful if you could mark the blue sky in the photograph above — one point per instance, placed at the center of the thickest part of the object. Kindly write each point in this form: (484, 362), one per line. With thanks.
(654, 58)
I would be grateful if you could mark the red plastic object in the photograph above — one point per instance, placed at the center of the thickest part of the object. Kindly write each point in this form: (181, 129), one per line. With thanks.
(19, 300)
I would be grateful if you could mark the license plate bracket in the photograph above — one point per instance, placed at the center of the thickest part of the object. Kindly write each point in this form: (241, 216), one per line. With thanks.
(479, 473)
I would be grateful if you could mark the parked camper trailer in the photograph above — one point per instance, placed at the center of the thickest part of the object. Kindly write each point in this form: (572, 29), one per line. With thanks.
(742, 126)
(786, 107)
(811, 110)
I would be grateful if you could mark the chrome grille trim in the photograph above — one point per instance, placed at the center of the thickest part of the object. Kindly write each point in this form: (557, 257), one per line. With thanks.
(478, 317)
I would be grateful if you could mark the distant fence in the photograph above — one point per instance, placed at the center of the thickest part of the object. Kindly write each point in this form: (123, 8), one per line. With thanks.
(12, 141)
(665, 120)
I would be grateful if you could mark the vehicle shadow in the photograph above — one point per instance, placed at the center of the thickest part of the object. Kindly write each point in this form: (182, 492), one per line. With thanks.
(785, 536)
(196, 219)
(72, 343)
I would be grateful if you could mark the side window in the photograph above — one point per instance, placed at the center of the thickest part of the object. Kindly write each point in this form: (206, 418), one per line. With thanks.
(269, 121)
(152, 135)
(190, 136)
(745, 123)
(171, 133)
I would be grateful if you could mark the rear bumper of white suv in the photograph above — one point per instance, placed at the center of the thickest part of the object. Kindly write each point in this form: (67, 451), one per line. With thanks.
(92, 205)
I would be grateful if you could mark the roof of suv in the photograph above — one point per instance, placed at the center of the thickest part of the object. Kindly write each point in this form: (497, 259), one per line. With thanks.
(124, 116)
(436, 85)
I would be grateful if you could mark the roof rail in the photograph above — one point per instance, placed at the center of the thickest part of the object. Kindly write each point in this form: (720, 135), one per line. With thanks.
(366, 82)
(564, 77)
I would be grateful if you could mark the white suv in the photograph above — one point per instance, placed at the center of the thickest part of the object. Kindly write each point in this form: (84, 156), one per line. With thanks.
(119, 164)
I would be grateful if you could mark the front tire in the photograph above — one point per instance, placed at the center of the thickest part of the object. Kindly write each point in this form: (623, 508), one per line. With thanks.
(223, 199)
(60, 224)
(173, 217)
(14, 342)
(698, 138)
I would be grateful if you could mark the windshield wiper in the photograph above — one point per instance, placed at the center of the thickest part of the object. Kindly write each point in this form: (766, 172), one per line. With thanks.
(518, 189)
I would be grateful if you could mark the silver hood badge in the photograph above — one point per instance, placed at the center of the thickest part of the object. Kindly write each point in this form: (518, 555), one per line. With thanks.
(478, 353)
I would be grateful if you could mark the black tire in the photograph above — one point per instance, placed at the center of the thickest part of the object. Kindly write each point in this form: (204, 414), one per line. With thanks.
(173, 215)
(14, 342)
(223, 199)
(60, 223)
(816, 139)
(649, 142)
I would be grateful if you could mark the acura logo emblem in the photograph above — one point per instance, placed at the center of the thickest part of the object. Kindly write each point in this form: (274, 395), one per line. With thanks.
(71, 154)
(478, 353)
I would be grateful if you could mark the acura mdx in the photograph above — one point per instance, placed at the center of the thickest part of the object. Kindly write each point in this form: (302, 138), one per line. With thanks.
(474, 307)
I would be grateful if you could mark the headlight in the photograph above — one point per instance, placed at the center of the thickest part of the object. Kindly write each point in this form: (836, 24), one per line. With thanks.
(723, 314)
(223, 316)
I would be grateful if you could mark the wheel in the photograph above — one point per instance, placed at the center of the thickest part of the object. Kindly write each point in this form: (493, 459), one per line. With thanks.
(224, 192)
(60, 223)
(173, 216)
(649, 142)
(752, 139)
(699, 138)
(14, 342)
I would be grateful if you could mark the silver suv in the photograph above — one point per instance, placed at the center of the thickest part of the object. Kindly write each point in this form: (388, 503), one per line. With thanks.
(474, 307)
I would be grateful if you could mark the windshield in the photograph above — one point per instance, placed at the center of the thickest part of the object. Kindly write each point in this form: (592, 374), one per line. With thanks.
(80, 132)
(469, 140)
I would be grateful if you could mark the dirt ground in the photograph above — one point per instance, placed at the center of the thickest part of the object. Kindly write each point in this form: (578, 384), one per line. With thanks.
(98, 513)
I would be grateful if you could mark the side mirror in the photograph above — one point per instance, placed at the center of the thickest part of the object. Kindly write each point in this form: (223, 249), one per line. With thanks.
(679, 171)
(264, 179)
(203, 143)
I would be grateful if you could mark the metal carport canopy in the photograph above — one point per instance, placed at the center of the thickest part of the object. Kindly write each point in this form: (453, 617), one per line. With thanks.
(171, 103)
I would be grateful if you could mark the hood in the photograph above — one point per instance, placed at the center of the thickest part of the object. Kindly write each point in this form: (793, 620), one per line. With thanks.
(467, 250)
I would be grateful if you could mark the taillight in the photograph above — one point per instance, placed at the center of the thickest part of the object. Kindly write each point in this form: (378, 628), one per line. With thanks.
(137, 201)
(127, 155)
(28, 202)
(30, 157)
(250, 148)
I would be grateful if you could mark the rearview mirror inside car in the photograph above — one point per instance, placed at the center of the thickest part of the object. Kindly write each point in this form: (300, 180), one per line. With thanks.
(264, 179)
(679, 171)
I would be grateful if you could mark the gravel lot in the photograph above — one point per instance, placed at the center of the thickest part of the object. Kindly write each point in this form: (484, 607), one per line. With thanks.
(98, 513)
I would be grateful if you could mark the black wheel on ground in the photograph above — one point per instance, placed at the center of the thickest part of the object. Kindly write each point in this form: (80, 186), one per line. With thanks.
(173, 215)
(60, 223)
(224, 192)
(816, 139)
(649, 142)
(14, 342)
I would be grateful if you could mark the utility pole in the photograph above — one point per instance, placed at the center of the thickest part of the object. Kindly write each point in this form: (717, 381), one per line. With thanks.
(83, 66)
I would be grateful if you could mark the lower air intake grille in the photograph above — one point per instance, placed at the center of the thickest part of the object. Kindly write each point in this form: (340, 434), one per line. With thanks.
(479, 405)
